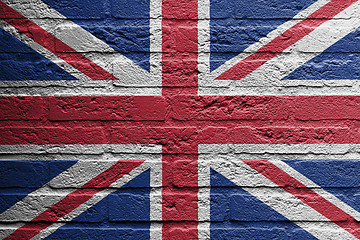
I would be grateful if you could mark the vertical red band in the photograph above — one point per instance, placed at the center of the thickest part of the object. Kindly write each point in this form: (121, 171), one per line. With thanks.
(180, 193)
(74, 200)
(179, 47)
(180, 76)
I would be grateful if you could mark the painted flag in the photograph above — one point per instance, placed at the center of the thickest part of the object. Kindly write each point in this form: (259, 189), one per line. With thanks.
(168, 119)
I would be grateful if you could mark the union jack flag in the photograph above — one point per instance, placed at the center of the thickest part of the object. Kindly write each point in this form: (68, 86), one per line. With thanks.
(170, 119)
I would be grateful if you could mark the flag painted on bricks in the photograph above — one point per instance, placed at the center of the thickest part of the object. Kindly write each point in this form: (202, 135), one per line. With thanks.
(164, 119)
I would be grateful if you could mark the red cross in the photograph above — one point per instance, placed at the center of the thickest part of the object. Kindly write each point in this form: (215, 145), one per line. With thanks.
(180, 120)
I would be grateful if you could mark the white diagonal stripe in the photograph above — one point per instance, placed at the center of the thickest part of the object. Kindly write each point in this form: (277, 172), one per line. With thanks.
(43, 51)
(297, 211)
(43, 198)
(307, 48)
(317, 189)
(266, 80)
(129, 73)
(71, 34)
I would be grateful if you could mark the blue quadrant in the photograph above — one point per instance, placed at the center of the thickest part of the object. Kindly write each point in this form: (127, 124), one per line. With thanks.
(20, 62)
(19, 178)
(236, 24)
(123, 214)
(339, 61)
(236, 214)
(122, 24)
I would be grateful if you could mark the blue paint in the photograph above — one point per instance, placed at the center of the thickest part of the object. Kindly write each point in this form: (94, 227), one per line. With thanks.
(19, 178)
(20, 62)
(236, 214)
(236, 24)
(100, 231)
(126, 28)
(124, 214)
(339, 177)
(339, 61)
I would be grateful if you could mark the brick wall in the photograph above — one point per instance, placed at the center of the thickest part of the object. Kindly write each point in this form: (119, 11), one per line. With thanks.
(116, 123)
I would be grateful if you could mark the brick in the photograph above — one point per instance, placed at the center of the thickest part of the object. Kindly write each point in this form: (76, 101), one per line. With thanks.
(179, 206)
(250, 233)
(81, 9)
(331, 173)
(222, 210)
(182, 9)
(236, 36)
(181, 73)
(183, 173)
(187, 230)
(108, 108)
(248, 213)
(241, 209)
(95, 214)
(257, 10)
(293, 135)
(327, 108)
(21, 108)
(175, 33)
(130, 9)
(122, 37)
(229, 108)
(22, 174)
(51, 135)
(153, 135)
(126, 231)
(137, 207)
(29, 65)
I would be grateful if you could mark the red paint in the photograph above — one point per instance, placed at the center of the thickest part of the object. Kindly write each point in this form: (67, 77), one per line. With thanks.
(47, 135)
(189, 109)
(285, 40)
(179, 123)
(306, 195)
(48, 41)
(179, 76)
(182, 121)
(137, 108)
(180, 193)
(74, 199)
(21, 108)
(180, 47)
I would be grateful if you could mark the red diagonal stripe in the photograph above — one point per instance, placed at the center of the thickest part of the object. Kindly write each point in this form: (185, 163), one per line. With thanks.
(48, 41)
(306, 195)
(74, 199)
(285, 40)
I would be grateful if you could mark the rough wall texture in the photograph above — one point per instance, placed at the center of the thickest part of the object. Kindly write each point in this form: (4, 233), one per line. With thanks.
(150, 119)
